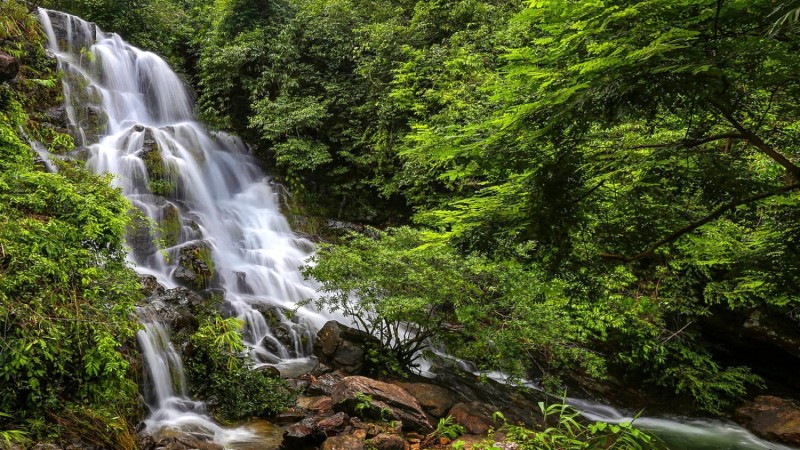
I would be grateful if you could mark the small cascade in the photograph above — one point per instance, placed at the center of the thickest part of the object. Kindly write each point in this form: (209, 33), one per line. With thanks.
(218, 226)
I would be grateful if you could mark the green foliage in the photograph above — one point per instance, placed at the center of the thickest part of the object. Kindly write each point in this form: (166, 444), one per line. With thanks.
(445, 428)
(66, 292)
(220, 373)
(569, 432)
(408, 293)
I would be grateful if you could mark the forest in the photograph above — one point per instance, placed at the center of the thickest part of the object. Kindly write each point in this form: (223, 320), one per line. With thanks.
(601, 196)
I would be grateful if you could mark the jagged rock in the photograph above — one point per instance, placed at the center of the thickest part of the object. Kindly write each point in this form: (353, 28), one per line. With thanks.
(323, 384)
(475, 417)
(150, 286)
(343, 347)
(388, 402)
(175, 307)
(195, 266)
(772, 418)
(343, 443)
(301, 434)
(45, 446)
(9, 67)
(334, 424)
(182, 442)
(388, 442)
(318, 404)
(436, 400)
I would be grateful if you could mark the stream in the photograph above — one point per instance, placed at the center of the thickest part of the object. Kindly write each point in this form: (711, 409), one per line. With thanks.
(132, 116)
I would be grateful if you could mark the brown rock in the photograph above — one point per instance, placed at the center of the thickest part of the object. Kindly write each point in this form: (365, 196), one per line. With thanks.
(475, 417)
(388, 402)
(388, 442)
(302, 433)
(319, 404)
(330, 425)
(343, 347)
(772, 418)
(436, 400)
(323, 384)
(9, 67)
(343, 443)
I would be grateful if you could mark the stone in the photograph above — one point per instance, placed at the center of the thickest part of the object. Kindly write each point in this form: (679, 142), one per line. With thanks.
(323, 384)
(318, 404)
(196, 266)
(386, 441)
(388, 402)
(436, 400)
(301, 434)
(343, 443)
(333, 424)
(475, 417)
(176, 307)
(772, 418)
(9, 67)
(343, 347)
(183, 441)
(45, 446)
(151, 286)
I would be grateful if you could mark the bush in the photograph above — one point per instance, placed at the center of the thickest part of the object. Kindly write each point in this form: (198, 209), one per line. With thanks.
(222, 374)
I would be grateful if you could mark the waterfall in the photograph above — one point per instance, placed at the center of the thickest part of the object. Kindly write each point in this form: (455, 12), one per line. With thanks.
(132, 117)
(218, 223)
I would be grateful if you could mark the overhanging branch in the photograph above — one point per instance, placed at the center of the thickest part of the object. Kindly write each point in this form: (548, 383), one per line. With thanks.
(716, 214)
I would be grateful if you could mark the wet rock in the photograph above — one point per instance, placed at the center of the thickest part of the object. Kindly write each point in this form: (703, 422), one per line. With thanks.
(241, 283)
(271, 371)
(196, 266)
(301, 434)
(57, 116)
(475, 417)
(388, 442)
(9, 67)
(343, 347)
(334, 424)
(343, 443)
(176, 307)
(150, 286)
(436, 400)
(772, 418)
(318, 404)
(323, 384)
(45, 446)
(387, 402)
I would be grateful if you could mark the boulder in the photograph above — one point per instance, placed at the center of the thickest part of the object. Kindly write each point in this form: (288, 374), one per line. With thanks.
(385, 402)
(386, 441)
(303, 433)
(772, 418)
(9, 67)
(334, 424)
(343, 347)
(343, 443)
(176, 307)
(475, 417)
(184, 441)
(435, 400)
(150, 286)
(324, 384)
(196, 266)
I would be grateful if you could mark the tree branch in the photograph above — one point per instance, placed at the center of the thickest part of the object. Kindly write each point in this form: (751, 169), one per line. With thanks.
(689, 143)
(758, 142)
(716, 214)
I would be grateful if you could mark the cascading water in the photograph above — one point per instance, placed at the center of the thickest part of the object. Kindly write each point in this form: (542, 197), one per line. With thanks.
(216, 213)
(218, 223)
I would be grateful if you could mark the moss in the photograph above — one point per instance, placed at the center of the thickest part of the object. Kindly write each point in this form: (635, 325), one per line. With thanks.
(170, 225)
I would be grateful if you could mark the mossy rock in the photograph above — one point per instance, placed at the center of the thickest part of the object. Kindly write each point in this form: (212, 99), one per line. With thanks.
(196, 266)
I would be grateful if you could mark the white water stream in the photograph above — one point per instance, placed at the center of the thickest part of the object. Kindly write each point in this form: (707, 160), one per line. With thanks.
(133, 117)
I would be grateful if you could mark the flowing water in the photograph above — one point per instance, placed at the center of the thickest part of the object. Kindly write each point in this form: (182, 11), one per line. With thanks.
(217, 215)
(218, 225)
